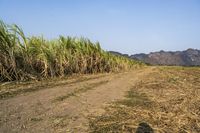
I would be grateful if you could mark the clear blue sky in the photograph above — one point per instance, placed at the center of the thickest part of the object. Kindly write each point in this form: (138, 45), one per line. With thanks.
(128, 26)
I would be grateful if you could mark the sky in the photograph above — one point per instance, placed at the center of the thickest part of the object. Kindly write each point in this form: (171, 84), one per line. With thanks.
(127, 26)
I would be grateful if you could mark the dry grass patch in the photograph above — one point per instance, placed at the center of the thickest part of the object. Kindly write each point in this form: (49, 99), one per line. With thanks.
(167, 100)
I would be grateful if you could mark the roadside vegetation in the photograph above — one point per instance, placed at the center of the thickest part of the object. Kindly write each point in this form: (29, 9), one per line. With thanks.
(24, 58)
(166, 101)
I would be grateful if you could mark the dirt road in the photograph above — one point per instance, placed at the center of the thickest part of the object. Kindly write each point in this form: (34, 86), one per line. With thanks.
(65, 108)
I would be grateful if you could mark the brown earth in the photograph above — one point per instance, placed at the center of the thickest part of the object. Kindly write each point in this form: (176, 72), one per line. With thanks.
(165, 101)
(62, 105)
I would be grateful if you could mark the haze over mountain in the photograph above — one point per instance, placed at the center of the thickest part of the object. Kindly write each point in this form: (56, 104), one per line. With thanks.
(189, 57)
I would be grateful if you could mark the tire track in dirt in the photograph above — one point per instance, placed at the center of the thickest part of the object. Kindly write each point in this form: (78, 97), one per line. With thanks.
(35, 111)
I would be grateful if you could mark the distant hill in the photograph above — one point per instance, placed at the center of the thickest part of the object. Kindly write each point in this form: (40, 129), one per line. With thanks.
(189, 57)
(118, 53)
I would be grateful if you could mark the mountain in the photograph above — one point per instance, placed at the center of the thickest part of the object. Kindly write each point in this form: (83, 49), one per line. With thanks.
(118, 53)
(189, 57)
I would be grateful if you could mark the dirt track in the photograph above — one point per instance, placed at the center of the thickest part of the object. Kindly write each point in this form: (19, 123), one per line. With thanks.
(65, 108)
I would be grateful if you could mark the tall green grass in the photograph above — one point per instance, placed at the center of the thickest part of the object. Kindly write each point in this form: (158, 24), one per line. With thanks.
(23, 58)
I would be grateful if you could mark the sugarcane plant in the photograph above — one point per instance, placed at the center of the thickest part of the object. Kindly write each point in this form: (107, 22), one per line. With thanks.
(25, 58)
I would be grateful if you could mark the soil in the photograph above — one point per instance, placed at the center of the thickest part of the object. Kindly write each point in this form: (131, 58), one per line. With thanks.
(66, 107)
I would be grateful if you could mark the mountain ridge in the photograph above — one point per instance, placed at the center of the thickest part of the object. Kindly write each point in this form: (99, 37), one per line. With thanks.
(189, 57)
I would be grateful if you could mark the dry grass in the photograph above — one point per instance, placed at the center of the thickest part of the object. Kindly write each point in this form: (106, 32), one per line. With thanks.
(167, 100)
